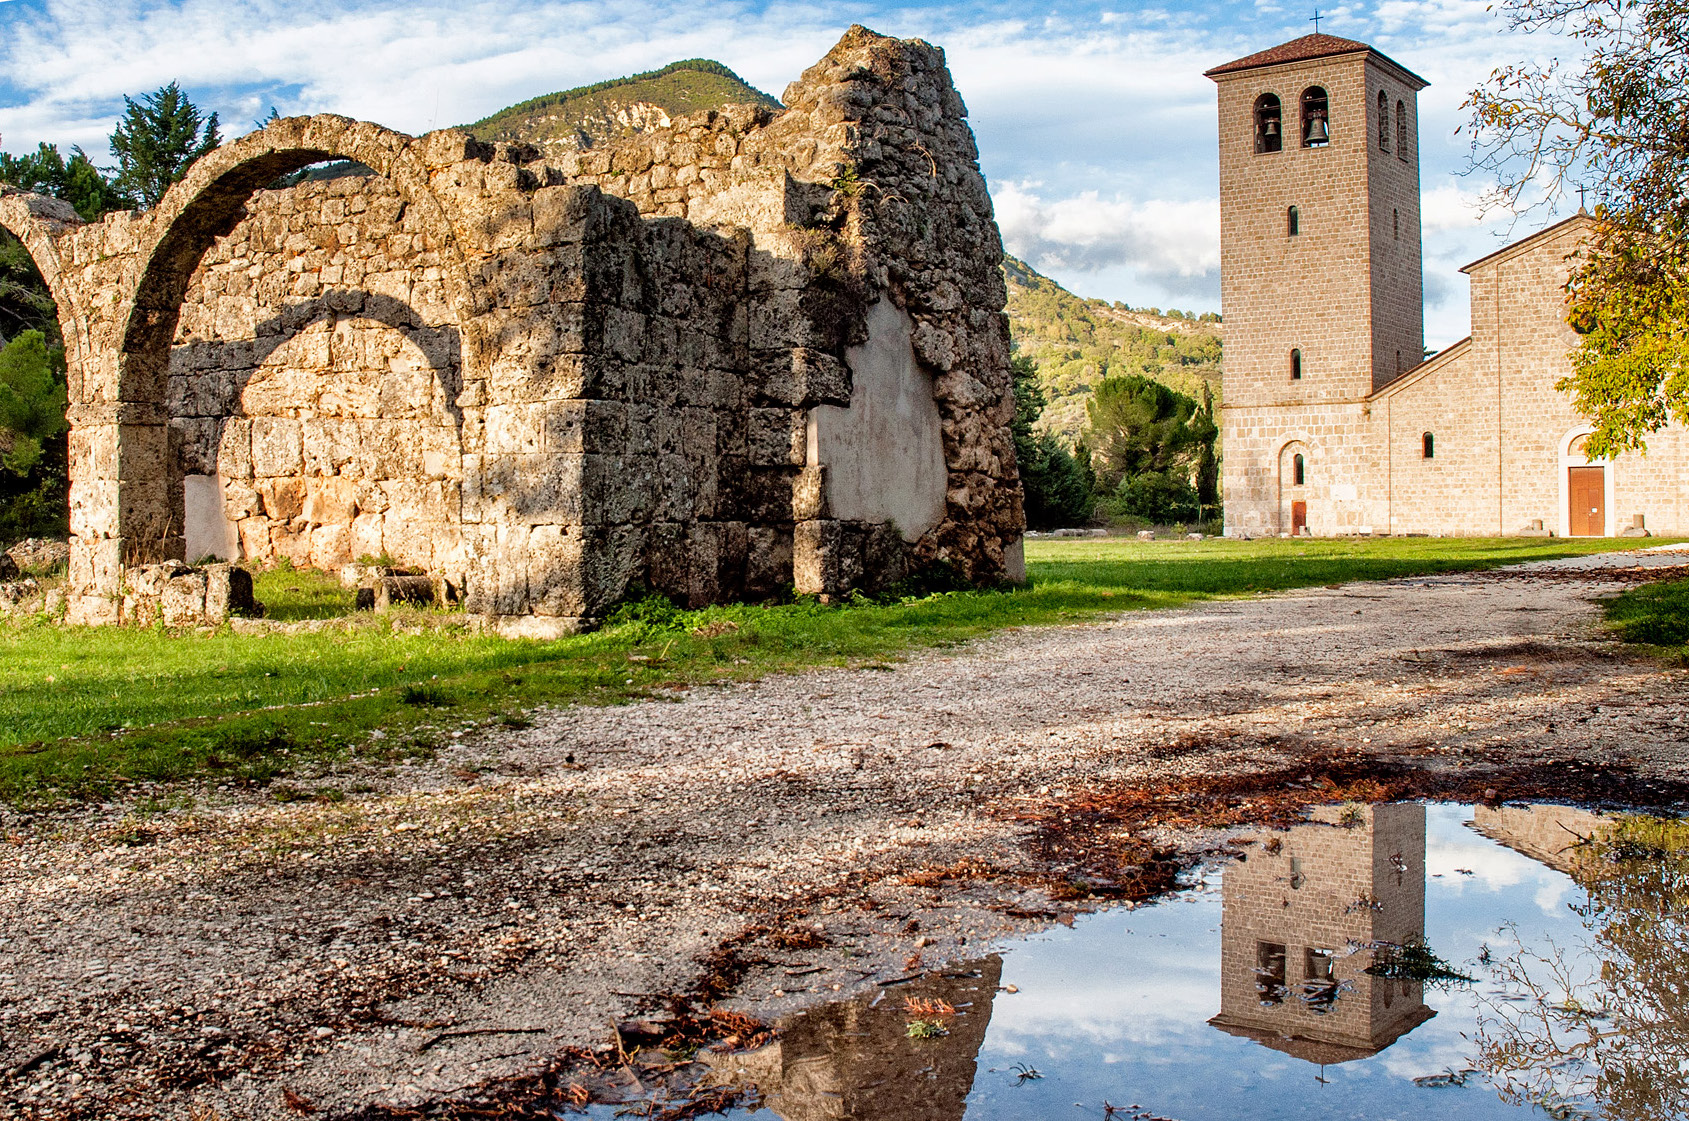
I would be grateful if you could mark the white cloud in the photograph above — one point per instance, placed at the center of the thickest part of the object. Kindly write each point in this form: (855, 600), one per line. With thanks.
(1160, 238)
(1449, 207)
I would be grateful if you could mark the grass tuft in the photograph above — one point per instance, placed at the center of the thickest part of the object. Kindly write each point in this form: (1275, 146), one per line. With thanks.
(426, 696)
(1653, 614)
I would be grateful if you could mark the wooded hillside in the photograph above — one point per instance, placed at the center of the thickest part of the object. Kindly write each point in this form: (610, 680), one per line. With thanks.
(588, 115)
(1076, 343)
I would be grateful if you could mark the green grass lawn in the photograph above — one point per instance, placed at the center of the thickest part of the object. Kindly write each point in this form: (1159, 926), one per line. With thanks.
(84, 711)
(1653, 615)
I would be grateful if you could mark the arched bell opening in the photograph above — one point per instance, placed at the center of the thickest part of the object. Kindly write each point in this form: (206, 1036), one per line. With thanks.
(1269, 123)
(1316, 118)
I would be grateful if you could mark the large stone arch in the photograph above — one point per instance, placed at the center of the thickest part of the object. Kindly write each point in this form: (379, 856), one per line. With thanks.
(123, 509)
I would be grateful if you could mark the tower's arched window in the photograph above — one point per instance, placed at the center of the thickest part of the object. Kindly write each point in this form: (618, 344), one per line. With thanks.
(1383, 122)
(1401, 130)
(1296, 365)
(1316, 118)
(1293, 221)
(1430, 445)
(1269, 124)
(1298, 470)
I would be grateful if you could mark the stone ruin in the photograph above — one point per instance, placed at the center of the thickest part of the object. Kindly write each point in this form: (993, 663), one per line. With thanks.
(749, 353)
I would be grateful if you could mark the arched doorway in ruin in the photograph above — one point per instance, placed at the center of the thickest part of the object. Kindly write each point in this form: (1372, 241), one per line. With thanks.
(287, 366)
(33, 501)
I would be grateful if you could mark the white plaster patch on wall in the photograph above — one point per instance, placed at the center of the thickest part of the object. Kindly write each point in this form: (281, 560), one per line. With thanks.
(884, 453)
(207, 530)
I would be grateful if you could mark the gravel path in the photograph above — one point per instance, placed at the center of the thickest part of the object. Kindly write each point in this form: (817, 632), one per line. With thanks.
(462, 918)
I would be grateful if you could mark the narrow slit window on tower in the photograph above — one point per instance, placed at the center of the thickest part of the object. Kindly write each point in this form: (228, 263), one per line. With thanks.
(1383, 122)
(1293, 221)
(1430, 445)
(1269, 124)
(1316, 122)
(1298, 470)
(1296, 365)
(1398, 361)
(1396, 224)
(1401, 130)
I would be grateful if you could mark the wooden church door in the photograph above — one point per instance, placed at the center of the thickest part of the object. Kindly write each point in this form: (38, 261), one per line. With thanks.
(1298, 518)
(1587, 490)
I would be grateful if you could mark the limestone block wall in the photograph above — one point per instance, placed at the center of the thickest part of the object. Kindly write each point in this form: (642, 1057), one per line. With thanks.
(746, 353)
(618, 444)
(1339, 468)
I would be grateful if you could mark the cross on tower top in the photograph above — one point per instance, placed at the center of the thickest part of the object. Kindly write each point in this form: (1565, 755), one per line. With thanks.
(1316, 21)
(1582, 204)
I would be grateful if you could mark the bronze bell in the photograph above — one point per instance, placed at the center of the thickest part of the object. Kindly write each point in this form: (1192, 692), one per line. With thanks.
(1272, 126)
(1317, 133)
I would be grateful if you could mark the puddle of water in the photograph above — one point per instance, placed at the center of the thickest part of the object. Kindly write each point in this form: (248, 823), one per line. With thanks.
(1249, 995)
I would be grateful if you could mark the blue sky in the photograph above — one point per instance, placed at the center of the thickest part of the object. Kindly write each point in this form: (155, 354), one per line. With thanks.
(1096, 128)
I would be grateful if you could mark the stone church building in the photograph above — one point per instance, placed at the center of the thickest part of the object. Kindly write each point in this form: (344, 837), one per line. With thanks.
(1333, 422)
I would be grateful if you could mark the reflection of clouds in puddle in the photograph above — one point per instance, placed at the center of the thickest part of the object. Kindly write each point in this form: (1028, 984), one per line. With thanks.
(1120, 1006)
(1553, 897)
(1144, 976)
(1493, 868)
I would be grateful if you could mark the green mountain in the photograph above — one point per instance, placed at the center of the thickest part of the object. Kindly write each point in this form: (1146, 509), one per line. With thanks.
(1077, 342)
(581, 118)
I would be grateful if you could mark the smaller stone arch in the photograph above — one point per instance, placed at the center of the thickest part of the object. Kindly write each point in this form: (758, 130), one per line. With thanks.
(209, 201)
(124, 511)
(38, 222)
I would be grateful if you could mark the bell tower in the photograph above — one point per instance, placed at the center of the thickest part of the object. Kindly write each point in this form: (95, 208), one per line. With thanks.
(1320, 273)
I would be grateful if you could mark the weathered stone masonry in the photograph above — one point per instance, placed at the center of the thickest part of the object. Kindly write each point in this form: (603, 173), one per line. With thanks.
(746, 352)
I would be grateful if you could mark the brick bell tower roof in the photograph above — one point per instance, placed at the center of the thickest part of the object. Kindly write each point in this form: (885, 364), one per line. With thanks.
(1305, 49)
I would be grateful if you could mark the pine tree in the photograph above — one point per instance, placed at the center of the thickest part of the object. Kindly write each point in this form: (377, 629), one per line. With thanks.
(158, 139)
(75, 180)
(32, 400)
(1207, 466)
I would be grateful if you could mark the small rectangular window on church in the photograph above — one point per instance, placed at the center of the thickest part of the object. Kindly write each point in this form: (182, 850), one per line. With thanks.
(1293, 221)
(1430, 445)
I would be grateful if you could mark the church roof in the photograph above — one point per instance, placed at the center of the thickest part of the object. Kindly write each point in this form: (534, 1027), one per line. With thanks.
(1306, 48)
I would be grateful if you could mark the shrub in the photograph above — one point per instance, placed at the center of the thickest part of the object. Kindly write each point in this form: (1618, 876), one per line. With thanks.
(1156, 497)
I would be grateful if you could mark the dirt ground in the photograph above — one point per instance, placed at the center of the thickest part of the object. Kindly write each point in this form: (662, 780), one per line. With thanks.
(454, 922)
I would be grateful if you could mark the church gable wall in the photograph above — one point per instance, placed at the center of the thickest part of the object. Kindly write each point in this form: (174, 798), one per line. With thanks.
(1501, 427)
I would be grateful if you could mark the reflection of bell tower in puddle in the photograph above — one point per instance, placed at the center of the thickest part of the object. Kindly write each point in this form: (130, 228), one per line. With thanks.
(854, 1060)
(1298, 913)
